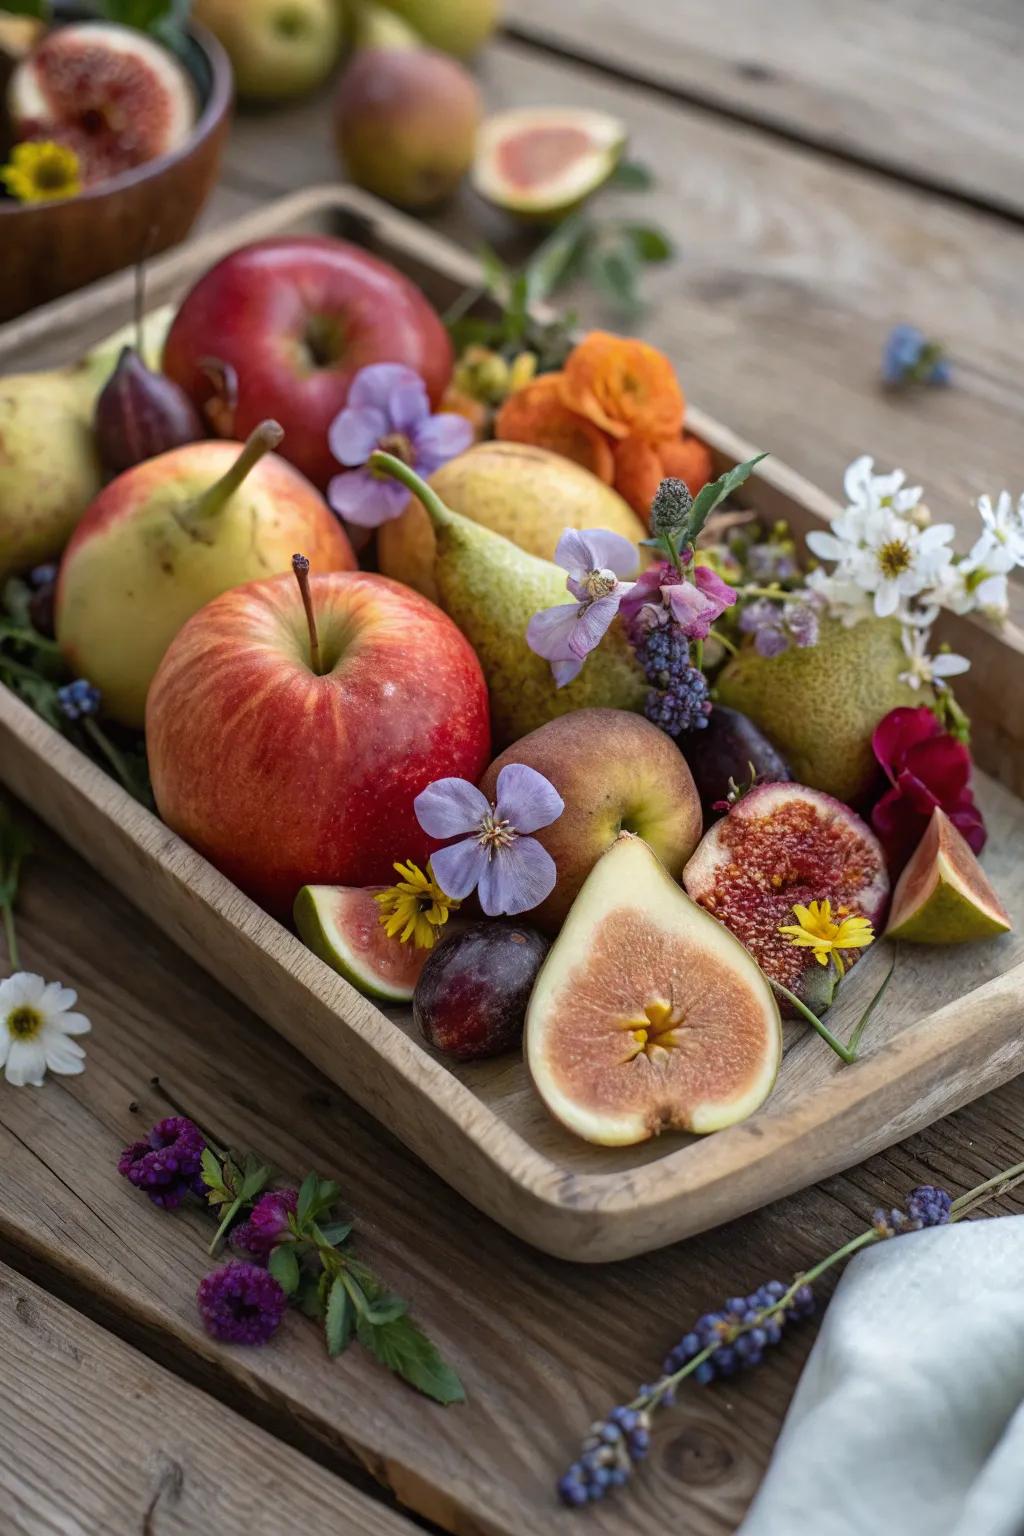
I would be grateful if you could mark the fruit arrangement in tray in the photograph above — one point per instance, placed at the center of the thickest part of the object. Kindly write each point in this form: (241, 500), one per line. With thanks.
(445, 643)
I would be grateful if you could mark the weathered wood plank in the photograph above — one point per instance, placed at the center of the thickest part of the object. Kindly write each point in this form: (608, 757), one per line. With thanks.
(541, 1344)
(792, 268)
(931, 92)
(99, 1441)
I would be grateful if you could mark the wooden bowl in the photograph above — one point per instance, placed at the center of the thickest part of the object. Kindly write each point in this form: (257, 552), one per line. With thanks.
(47, 249)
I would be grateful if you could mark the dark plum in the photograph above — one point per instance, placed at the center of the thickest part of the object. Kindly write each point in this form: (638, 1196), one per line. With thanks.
(726, 749)
(470, 1000)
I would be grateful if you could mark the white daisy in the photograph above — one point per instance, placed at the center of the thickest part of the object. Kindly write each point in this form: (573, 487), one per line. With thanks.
(977, 584)
(925, 669)
(1004, 522)
(35, 1028)
(844, 600)
(869, 492)
(899, 561)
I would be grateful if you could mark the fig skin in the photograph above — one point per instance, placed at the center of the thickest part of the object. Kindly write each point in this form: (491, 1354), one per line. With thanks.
(470, 1001)
(725, 749)
(140, 414)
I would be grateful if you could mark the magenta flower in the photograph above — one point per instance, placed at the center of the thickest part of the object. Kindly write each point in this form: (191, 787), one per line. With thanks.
(510, 871)
(241, 1304)
(268, 1223)
(693, 602)
(388, 408)
(565, 636)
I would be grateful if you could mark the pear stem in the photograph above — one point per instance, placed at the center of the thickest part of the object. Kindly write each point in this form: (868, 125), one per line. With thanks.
(264, 439)
(388, 464)
(300, 565)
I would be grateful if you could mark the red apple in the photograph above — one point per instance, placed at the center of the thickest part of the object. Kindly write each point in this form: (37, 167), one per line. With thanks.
(289, 323)
(288, 767)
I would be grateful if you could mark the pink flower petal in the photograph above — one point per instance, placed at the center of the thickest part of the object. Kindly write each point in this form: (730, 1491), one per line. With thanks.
(526, 799)
(711, 584)
(450, 807)
(517, 878)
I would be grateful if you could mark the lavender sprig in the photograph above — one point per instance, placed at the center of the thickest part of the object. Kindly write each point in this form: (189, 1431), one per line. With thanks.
(736, 1338)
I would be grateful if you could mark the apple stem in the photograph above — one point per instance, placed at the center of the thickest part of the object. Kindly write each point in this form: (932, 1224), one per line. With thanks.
(264, 439)
(300, 565)
(388, 464)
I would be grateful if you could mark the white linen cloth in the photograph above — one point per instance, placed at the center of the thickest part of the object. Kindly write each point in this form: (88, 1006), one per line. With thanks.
(909, 1417)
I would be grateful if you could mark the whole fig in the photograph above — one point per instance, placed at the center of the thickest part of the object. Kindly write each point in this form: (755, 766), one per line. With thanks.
(140, 414)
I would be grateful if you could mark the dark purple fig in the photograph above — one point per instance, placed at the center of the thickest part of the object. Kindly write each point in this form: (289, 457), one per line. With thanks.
(141, 413)
(470, 1000)
(730, 748)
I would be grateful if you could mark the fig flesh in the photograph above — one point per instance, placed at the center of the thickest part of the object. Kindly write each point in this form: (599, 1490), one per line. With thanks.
(113, 95)
(540, 163)
(647, 1015)
(943, 896)
(341, 924)
(780, 845)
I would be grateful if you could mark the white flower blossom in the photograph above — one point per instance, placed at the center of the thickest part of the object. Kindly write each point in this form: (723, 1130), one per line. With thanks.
(977, 583)
(36, 1024)
(868, 492)
(1005, 523)
(843, 600)
(898, 561)
(925, 669)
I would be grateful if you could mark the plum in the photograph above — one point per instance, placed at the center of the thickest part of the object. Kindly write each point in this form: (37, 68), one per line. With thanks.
(725, 749)
(470, 1000)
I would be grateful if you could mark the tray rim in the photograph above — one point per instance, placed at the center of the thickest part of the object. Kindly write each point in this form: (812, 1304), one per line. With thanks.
(577, 1204)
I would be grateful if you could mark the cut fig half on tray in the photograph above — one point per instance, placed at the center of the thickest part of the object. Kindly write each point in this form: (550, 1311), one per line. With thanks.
(541, 162)
(648, 1015)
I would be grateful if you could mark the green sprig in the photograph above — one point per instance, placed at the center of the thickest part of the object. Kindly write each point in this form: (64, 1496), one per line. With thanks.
(231, 1186)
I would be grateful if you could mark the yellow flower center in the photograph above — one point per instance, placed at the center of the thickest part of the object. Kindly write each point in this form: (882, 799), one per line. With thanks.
(416, 908)
(24, 1023)
(656, 1031)
(894, 557)
(39, 172)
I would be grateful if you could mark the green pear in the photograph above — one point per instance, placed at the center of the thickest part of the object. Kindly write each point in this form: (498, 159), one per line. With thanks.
(49, 468)
(491, 588)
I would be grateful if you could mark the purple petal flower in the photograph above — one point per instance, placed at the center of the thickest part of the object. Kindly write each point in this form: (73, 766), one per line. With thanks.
(714, 588)
(166, 1165)
(595, 549)
(693, 600)
(388, 407)
(511, 872)
(565, 635)
(268, 1222)
(241, 1304)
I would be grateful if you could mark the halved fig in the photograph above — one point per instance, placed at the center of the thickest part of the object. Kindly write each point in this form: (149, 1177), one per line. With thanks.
(341, 924)
(542, 161)
(943, 896)
(113, 95)
(779, 846)
(647, 1015)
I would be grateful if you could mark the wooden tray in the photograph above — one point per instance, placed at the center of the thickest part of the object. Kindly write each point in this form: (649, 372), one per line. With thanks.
(949, 1029)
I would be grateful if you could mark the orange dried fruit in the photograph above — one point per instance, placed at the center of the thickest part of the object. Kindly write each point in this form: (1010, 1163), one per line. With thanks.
(687, 458)
(539, 416)
(624, 386)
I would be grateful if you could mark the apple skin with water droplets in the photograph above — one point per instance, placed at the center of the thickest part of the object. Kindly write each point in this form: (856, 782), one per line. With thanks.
(471, 998)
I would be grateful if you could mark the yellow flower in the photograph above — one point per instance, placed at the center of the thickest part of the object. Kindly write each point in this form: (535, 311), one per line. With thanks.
(815, 928)
(416, 905)
(40, 171)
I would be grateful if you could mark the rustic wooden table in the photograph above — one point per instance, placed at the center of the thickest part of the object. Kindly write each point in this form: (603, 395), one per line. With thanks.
(826, 173)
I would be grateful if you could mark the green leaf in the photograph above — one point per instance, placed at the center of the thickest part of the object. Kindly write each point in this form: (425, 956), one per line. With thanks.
(213, 1179)
(553, 260)
(310, 1298)
(714, 493)
(307, 1194)
(385, 1308)
(339, 1318)
(15, 845)
(649, 243)
(254, 1178)
(333, 1234)
(631, 176)
(283, 1264)
(497, 276)
(40, 9)
(614, 270)
(405, 1349)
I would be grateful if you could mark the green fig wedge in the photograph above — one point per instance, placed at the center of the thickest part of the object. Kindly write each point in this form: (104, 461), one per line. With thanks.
(943, 896)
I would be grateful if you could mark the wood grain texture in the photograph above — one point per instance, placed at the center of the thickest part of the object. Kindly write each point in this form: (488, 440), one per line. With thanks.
(929, 92)
(541, 1344)
(482, 1126)
(99, 1441)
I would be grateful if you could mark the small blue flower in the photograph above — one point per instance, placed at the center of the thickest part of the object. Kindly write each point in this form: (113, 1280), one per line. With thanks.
(79, 699)
(908, 357)
(42, 576)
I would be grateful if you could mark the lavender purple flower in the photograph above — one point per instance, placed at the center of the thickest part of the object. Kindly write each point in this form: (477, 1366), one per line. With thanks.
(927, 1206)
(388, 408)
(565, 635)
(775, 626)
(166, 1165)
(693, 598)
(241, 1304)
(510, 871)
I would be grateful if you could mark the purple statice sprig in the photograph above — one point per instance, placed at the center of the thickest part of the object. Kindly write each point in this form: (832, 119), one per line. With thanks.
(166, 1164)
(779, 621)
(737, 1336)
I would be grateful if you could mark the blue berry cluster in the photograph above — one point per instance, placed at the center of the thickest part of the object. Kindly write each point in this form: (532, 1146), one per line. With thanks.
(614, 1445)
(79, 699)
(679, 699)
(927, 1206)
(740, 1330)
(908, 357)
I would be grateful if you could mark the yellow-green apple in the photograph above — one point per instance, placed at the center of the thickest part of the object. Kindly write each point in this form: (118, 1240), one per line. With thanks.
(163, 538)
(289, 322)
(288, 746)
(405, 123)
(277, 48)
(616, 773)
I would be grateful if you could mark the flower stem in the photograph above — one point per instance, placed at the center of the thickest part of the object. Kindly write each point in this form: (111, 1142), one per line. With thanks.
(9, 934)
(844, 1051)
(724, 641)
(28, 637)
(869, 1010)
(99, 738)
